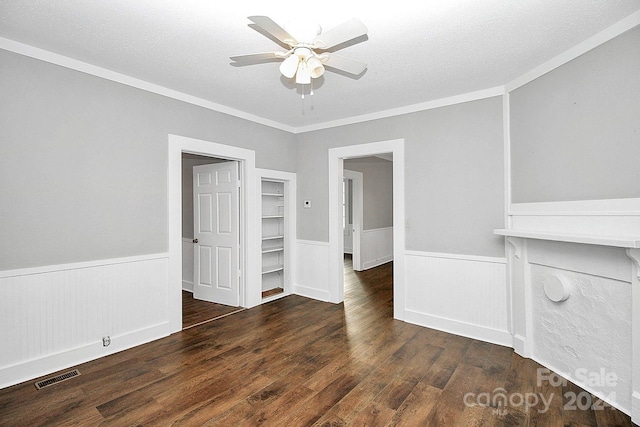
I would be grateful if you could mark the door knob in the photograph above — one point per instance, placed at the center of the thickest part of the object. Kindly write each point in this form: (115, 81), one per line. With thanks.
(195, 240)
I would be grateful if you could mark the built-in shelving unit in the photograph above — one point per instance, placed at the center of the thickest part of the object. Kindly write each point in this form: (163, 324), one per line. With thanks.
(277, 217)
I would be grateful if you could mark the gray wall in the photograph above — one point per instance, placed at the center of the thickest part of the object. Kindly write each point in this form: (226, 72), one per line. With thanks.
(454, 176)
(377, 189)
(83, 162)
(575, 132)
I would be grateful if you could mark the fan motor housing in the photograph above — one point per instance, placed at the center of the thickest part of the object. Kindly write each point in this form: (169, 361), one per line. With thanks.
(303, 31)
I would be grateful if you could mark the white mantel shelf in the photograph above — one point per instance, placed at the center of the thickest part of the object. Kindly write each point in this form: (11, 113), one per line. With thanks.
(629, 242)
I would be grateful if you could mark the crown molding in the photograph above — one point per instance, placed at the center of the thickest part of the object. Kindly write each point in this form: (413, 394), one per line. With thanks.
(591, 43)
(429, 105)
(602, 37)
(84, 67)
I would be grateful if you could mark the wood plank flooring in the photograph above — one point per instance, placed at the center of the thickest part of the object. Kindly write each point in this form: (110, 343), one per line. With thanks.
(272, 292)
(300, 362)
(196, 312)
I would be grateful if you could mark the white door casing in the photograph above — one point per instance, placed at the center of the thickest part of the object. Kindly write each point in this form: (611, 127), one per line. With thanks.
(336, 174)
(357, 209)
(347, 219)
(216, 233)
(250, 293)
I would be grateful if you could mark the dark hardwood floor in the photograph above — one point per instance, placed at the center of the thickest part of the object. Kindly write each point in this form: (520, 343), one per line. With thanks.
(196, 312)
(300, 362)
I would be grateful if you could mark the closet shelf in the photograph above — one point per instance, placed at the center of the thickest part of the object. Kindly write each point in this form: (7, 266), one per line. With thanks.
(271, 268)
(272, 237)
(274, 249)
(273, 194)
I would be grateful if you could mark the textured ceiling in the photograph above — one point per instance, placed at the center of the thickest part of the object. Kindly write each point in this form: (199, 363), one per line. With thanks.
(415, 51)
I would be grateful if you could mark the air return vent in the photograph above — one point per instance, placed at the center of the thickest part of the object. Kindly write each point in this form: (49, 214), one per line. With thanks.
(57, 379)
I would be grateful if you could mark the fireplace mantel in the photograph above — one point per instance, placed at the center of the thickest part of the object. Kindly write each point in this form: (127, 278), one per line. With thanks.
(522, 285)
(621, 241)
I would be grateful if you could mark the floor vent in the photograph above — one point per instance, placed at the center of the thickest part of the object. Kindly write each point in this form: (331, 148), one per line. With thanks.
(57, 379)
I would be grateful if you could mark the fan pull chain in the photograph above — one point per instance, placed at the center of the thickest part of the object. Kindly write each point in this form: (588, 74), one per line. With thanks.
(311, 93)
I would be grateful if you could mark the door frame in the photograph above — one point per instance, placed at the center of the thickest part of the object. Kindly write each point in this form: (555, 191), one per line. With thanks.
(357, 212)
(249, 243)
(336, 237)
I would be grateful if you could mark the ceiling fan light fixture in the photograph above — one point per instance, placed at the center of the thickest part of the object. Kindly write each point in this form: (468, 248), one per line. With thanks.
(315, 67)
(302, 76)
(289, 66)
(301, 62)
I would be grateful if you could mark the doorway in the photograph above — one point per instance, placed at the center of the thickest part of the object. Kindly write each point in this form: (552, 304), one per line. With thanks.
(336, 242)
(368, 227)
(249, 292)
(200, 279)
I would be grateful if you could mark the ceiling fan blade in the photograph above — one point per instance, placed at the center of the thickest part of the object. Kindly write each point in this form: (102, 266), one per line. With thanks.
(344, 64)
(274, 29)
(342, 33)
(253, 57)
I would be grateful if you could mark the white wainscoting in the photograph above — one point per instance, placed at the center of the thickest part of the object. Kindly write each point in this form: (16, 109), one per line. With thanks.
(376, 247)
(312, 269)
(187, 264)
(462, 295)
(54, 317)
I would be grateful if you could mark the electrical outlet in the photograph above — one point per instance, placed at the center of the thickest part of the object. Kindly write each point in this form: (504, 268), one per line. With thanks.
(106, 341)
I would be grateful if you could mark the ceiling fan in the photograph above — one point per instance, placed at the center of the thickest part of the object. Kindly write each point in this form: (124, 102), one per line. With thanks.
(308, 48)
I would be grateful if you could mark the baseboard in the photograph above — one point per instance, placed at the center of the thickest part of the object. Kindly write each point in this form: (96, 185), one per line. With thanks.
(312, 293)
(187, 286)
(519, 345)
(376, 262)
(635, 407)
(32, 369)
(455, 327)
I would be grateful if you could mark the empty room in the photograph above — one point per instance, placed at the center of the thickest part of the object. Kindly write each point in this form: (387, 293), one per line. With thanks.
(336, 214)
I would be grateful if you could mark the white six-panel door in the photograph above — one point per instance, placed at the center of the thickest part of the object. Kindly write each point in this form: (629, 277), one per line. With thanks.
(216, 233)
